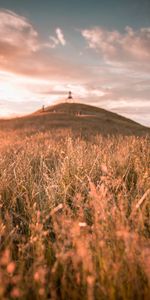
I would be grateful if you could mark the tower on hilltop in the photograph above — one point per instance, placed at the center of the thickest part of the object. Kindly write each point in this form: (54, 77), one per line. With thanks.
(69, 96)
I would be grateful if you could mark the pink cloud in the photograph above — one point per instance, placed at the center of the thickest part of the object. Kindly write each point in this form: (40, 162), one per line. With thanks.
(23, 52)
(17, 35)
(60, 36)
(59, 39)
(129, 46)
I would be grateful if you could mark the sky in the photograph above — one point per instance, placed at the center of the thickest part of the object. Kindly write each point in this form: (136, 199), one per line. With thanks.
(100, 50)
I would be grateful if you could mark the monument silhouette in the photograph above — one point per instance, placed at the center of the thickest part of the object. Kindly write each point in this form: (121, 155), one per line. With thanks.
(70, 96)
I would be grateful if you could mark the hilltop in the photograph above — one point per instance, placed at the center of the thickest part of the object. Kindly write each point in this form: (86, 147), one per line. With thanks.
(79, 118)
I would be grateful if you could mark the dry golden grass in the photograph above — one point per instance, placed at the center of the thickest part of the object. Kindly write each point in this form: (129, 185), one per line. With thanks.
(74, 216)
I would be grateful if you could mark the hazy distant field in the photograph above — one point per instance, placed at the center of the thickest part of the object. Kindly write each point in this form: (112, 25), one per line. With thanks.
(74, 216)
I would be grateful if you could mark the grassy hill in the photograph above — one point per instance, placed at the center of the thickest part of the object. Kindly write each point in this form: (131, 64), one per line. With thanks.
(80, 118)
(74, 206)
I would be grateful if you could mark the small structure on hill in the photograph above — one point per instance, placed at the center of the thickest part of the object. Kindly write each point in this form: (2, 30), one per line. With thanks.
(70, 97)
(43, 108)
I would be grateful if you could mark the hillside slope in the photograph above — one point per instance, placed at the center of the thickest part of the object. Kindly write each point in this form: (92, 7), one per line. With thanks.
(79, 118)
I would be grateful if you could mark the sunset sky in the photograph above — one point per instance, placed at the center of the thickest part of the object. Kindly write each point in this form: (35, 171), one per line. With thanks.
(98, 49)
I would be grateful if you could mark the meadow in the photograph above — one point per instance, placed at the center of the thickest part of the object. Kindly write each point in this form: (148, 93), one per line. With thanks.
(74, 216)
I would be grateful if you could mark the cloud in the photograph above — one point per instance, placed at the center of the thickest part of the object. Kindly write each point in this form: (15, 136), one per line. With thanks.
(125, 47)
(53, 42)
(60, 37)
(58, 40)
(123, 66)
(17, 35)
(22, 51)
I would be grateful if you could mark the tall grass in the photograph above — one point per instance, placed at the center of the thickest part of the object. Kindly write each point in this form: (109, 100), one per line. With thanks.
(74, 217)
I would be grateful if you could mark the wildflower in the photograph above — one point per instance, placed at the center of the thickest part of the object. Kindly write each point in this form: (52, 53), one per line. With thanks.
(90, 280)
(11, 267)
(82, 224)
(37, 276)
(15, 293)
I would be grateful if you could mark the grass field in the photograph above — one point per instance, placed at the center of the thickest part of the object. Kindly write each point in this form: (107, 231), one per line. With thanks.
(74, 216)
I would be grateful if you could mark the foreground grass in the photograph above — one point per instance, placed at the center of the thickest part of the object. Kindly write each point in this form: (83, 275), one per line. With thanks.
(74, 217)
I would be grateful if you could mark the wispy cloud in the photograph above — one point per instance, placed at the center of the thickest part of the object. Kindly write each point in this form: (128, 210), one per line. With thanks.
(128, 47)
(17, 35)
(59, 39)
(22, 50)
(123, 66)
